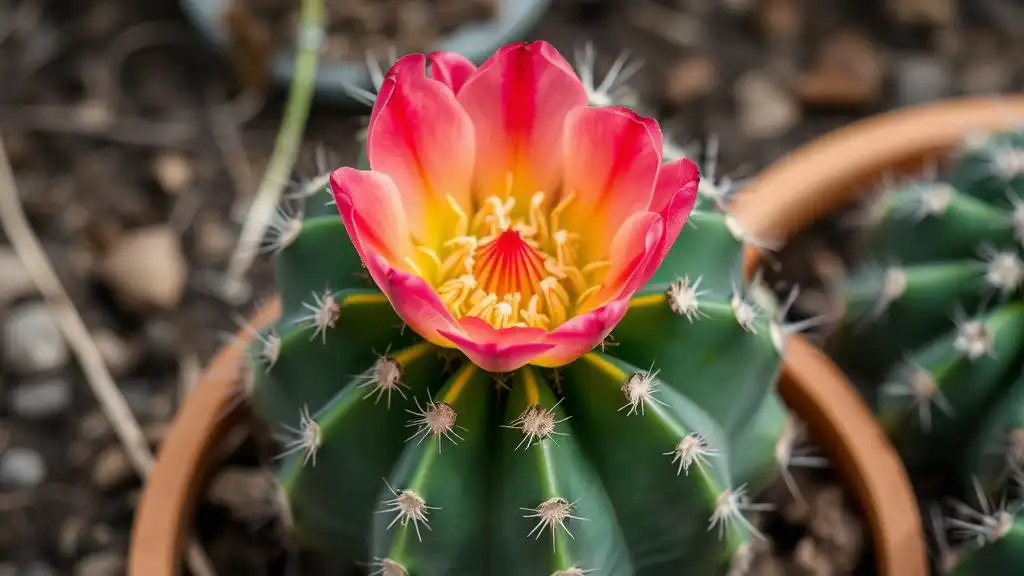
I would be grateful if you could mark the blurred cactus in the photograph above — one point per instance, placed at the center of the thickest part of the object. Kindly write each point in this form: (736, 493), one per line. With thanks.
(636, 458)
(936, 316)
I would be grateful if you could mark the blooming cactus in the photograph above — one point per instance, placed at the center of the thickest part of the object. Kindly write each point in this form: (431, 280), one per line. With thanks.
(501, 214)
(509, 355)
(941, 328)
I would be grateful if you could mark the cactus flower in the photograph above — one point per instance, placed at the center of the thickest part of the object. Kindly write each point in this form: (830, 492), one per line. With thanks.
(504, 216)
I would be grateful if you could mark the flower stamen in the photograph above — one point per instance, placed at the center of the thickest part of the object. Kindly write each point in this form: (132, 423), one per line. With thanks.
(513, 271)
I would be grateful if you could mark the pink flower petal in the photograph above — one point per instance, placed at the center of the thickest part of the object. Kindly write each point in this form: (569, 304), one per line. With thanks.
(451, 68)
(613, 165)
(497, 355)
(673, 178)
(415, 302)
(634, 246)
(582, 334)
(423, 140)
(518, 101)
(674, 198)
(371, 209)
(479, 329)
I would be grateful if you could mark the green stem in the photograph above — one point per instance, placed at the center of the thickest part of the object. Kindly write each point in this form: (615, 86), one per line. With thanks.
(286, 146)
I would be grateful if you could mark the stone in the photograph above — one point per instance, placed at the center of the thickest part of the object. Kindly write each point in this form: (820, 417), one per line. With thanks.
(922, 78)
(847, 71)
(42, 398)
(15, 281)
(118, 356)
(146, 269)
(215, 239)
(765, 109)
(246, 492)
(111, 468)
(690, 79)
(32, 341)
(938, 13)
(93, 426)
(93, 115)
(173, 172)
(107, 563)
(22, 468)
(781, 21)
(809, 560)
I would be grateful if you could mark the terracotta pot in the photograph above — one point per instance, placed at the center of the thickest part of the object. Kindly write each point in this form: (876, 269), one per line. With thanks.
(785, 199)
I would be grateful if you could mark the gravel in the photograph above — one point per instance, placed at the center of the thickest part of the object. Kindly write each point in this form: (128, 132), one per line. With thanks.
(32, 340)
(22, 468)
(44, 398)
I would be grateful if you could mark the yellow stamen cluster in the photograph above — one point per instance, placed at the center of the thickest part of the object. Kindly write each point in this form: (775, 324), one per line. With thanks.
(512, 267)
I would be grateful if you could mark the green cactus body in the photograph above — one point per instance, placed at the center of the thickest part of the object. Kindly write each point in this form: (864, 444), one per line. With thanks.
(637, 458)
(997, 448)
(1001, 551)
(935, 316)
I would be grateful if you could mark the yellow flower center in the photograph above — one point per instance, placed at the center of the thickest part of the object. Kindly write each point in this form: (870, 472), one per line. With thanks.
(513, 267)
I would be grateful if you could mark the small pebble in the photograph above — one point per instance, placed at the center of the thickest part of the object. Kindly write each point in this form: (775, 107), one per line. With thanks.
(690, 79)
(173, 171)
(927, 12)
(111, 468)
(22, 468)
(15, 281)
(922, 78)
(93, 426)
(766, 110)
(781, 21)
(70, 534)
(101, 564)
(42, 399)
(93, 115)
(32, 340)
(246, 492)
(847, 71)
(214, 238)
(117, 355)
(146, 269)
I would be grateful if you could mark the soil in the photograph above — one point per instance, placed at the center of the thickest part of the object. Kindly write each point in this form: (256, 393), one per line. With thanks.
(357, 28)
(121, 126)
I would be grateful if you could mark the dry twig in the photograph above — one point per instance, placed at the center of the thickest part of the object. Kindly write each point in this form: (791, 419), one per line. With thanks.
(27, 246)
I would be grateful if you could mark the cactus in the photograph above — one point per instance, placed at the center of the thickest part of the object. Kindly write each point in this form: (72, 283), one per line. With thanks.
(934, 314)
(637, 456)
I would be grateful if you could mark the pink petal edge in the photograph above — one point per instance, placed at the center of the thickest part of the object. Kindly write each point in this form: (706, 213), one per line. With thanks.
(582, 334)
(451, 68)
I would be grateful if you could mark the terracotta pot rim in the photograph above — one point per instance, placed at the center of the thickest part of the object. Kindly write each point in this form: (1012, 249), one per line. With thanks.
(807, 184)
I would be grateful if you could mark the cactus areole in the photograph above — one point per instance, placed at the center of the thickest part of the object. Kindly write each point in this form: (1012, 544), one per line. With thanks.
(511, 354)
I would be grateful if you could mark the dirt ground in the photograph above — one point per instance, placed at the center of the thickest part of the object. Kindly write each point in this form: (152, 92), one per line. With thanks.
(125, 130)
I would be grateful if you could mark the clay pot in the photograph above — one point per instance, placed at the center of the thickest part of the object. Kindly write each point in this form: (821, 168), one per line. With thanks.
(788, 197)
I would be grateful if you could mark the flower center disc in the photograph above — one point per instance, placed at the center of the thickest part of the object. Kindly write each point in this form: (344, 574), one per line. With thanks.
(513, 271)
(508, 265)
